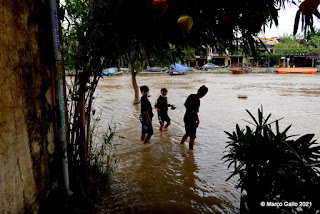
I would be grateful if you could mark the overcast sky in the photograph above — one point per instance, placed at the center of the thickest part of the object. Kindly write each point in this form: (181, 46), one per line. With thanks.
(286, 23)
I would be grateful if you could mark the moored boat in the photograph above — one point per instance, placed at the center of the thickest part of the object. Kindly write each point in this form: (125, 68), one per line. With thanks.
(175, 72)
(240, 71)
(237, 71)
(156, 69)
(111, 72)
(177, 69)
(297, 70)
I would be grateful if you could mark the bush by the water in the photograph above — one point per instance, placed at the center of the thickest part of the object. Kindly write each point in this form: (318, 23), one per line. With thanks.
(273, 168)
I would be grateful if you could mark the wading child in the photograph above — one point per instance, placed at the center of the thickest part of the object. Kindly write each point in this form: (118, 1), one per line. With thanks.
(162, 109)
(146, 115)
(191, 119)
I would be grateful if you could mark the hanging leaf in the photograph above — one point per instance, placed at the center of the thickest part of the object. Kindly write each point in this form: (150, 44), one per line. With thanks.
(88, 66)
(296, 23)
(317, 14)
(311, 25)
(274, 15)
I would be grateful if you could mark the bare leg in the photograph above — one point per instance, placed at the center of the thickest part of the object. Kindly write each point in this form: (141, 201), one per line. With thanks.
(168, 124)
(191, 143)
(184, 138)
(161, 127)
(143, 136)
(147, 139)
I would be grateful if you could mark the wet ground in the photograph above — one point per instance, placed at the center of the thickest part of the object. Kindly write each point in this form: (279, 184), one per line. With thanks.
(165, 177)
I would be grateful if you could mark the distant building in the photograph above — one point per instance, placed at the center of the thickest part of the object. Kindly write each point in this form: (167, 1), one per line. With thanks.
(212, 55)
(266, 45)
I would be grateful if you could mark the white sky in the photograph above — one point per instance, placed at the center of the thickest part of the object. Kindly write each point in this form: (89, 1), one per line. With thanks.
(286, 23)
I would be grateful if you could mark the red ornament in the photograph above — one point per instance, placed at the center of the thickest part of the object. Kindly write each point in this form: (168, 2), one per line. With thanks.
(160, 6)
(309, 7)
(225, 18)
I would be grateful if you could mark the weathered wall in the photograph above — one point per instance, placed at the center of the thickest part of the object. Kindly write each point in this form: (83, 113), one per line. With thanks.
(26, 105)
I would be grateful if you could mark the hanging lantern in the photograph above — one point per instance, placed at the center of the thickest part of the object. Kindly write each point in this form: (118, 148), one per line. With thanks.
(160, 6)
(185, 23)
(309, 7)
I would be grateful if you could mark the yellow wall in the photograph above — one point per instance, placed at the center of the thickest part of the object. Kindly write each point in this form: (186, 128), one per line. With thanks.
(26, 106)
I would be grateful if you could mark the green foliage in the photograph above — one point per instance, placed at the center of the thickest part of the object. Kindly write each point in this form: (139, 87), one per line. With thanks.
(272, 59)
(85, 41)
(272, 167)
(87, 35)
(101, 31)
(215, 23)
(103, 156)
(291, 45)
(314, 43)
(296, 45)
(169, 54)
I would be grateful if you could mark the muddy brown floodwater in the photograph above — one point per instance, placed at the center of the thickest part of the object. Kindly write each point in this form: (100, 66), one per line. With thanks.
(165, 177)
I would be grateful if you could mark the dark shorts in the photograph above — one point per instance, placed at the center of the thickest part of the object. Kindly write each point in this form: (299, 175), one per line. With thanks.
(163, 118)
(147, 129)
(191, 128)
(190, 125)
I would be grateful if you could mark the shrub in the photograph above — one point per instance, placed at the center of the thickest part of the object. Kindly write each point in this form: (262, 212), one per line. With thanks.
(272, 167)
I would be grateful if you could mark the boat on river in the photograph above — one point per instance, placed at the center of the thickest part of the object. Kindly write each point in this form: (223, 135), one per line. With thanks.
(177, 69)
(157, 69)
(173, 72)
(297, 70)
(112, 71)
(240, 71)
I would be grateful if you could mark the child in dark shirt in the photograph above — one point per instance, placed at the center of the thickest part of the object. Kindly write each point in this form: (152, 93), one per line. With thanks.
(162, 109)
(146, 115)
(191, 119)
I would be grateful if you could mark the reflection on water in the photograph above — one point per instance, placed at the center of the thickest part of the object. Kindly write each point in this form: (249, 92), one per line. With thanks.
(165, 177)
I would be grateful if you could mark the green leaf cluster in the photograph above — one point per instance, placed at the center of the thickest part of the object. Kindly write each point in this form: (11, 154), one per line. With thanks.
(273, 167)
(296, 45)
(103, 156)
(88, 36)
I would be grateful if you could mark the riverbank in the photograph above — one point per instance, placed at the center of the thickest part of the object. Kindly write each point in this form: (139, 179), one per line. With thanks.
(219, 71)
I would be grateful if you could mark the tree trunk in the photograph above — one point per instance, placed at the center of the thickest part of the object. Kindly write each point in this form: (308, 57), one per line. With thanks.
(135, 85)
(83, 146)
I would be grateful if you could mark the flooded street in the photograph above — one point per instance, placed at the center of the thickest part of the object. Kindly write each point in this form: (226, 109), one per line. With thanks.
(165, 177)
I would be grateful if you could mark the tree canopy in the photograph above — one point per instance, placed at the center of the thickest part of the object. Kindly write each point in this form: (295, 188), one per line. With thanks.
(111, 27)
(215, 23)
(296, 45)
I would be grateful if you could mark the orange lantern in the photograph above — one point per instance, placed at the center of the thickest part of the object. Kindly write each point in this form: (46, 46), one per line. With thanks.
(309, 7)
(160, 6)
(185, 23)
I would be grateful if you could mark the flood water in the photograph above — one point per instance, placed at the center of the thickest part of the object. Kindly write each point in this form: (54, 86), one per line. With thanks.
(165, 177)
